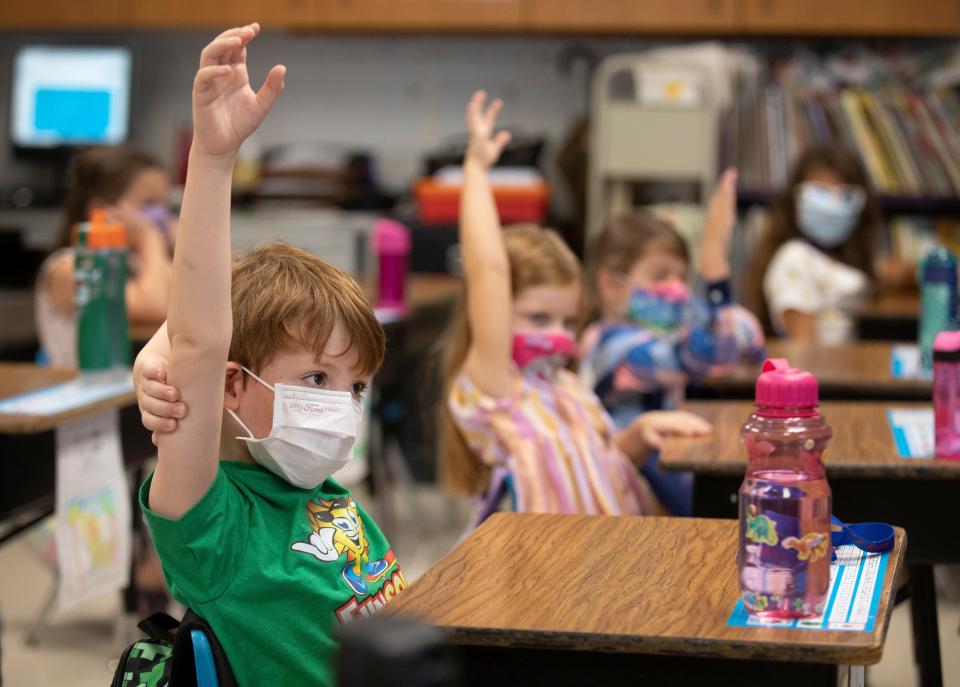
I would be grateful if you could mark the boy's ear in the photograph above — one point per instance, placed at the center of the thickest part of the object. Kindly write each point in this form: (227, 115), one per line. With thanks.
(233, 385)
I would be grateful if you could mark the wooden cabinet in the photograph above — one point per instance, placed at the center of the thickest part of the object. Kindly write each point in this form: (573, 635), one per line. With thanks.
(426, 15)
(634, 16)
(63, 14)
(852, 17)
(651, 17)
(198, 14)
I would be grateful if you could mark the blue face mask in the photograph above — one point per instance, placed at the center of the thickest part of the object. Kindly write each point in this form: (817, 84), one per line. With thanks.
(827, 216)
(659, 306)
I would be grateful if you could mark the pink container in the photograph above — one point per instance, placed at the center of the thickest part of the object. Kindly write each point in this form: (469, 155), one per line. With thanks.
(391, 241)
(946, 394)
(784, 549)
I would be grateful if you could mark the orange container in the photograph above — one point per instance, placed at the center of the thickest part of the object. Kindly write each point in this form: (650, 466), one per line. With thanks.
(440, 203)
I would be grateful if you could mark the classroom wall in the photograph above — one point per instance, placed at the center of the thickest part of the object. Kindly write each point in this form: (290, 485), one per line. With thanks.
(399, 96)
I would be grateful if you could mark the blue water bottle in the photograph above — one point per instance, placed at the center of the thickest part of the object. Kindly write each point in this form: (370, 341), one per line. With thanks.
(938, 299)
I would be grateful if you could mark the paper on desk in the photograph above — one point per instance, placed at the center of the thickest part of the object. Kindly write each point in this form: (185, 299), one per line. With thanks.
(92, 509)
(912, 431)
(856, 579)
(75, 393)
(905, 363)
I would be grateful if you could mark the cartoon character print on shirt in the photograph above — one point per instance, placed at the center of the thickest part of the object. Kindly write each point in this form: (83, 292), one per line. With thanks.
(338, 528)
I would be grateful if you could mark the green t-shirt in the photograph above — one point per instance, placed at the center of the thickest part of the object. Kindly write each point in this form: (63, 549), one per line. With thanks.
(273, 569)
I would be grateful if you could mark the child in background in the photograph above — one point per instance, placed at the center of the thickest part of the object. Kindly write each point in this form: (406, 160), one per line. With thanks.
(815, 266)
(652, 337)
(513, 414)
(253, 534)
(133, 188)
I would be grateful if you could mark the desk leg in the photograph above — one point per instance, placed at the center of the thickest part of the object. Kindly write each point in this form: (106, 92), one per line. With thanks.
(926, 632)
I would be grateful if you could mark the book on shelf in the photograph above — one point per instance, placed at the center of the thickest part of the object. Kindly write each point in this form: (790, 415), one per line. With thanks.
(908, 140)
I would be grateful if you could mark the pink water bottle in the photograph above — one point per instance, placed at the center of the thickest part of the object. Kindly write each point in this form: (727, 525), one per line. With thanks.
(946, 394)
(784, 553)
(391, 241)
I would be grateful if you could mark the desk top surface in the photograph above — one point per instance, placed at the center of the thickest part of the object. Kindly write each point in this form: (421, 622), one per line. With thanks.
(863, 366)
(21, 378)
(618, 584)
(862, 443)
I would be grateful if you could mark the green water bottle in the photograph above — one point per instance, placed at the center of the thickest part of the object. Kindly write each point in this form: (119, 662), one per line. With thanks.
(100, 274)
(938, 299)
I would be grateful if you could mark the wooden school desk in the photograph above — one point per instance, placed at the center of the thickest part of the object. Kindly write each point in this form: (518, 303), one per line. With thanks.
(858, 370)
(891, 314)
(28, 455)
(870, 482)
(535, 599)
(28, 445)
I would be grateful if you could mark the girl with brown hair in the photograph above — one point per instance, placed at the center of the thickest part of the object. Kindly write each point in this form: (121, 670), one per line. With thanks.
(815, 266)
(514, 415)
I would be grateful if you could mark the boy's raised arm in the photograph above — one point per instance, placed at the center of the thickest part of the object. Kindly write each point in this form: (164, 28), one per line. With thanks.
(485, 263)
(225, 111)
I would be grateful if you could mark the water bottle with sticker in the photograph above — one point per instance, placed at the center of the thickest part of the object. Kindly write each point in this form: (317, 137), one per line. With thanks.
(784, 547)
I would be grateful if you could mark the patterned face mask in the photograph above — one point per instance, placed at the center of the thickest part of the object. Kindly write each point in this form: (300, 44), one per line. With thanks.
(659, 306)
(542, 354)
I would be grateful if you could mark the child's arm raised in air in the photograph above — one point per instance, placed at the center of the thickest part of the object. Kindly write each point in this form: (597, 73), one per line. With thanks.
(485, 264)
(225, 111)
(721, 332)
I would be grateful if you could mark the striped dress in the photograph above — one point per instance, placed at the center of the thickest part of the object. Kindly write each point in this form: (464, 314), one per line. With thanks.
(556, 441)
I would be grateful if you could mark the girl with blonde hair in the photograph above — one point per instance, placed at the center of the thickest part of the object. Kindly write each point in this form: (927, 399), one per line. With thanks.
(515, 419)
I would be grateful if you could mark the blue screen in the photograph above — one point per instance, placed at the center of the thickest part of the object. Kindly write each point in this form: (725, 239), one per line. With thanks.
(70, 95)
(72, 114)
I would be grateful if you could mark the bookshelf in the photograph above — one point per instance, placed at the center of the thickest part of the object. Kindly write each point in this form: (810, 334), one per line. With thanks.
(891, 205)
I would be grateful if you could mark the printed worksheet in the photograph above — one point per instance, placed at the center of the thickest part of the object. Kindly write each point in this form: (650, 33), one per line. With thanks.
(75, 393)
(912, 431)
(856, 578)
(905, 363)
(92, 516)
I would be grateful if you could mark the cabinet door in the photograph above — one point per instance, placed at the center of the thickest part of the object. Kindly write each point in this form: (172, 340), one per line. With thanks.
(633, 16)
(440, 15)
(222, 15)
(853, 17)
(64, 14)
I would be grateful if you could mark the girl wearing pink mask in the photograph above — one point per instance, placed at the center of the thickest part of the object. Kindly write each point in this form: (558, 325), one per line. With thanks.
(516, 421)
(652, 336)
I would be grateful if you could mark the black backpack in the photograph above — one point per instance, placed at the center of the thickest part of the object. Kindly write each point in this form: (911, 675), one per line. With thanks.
(174, 653)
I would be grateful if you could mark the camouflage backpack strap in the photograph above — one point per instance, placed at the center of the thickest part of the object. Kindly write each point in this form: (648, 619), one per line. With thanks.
(147, 662)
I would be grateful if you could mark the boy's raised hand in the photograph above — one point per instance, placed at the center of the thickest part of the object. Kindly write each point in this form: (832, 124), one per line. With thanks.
(718, 228)
(484, 147)
(226, 110)
(160, 405)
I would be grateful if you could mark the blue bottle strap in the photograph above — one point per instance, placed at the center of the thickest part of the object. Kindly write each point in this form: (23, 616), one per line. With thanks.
(873, 537)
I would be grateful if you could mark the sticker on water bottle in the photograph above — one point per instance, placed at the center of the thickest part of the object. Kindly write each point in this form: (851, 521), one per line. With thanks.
(912, 431)
(856, 578)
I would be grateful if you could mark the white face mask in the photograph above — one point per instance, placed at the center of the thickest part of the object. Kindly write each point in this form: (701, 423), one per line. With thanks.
(312, 435)
(828, 217)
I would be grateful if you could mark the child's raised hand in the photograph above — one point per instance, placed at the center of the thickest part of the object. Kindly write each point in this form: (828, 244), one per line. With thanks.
(718, 228)
(160, 405)
(225, 108)
(655, 426)
(484, 147)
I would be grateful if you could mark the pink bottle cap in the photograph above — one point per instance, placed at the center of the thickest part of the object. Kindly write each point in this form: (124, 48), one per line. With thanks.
(784, 391)
(947, 342)
(390, 237)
